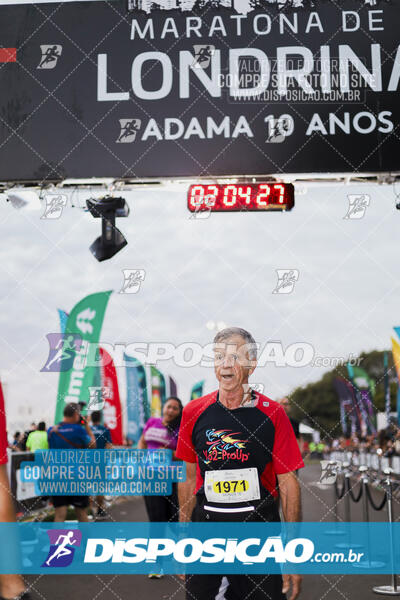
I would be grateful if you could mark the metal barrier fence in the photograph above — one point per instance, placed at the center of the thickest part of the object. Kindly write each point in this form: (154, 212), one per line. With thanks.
(374, 461)
(23, 492)
(372, 469)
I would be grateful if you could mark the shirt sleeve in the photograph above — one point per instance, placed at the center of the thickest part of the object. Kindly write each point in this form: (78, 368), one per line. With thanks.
(185, 449)
(85, 437)
(286, 454)
(147, 425)
(108, 436)
(28, 442)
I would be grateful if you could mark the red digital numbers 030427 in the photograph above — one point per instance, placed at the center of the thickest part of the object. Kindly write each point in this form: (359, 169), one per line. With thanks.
(241, 197)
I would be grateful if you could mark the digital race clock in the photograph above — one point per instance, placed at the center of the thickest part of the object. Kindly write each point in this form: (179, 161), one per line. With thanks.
(240, 197)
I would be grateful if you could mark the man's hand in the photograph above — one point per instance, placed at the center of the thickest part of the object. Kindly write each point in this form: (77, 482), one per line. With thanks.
(187, 499)
(295, 582)
(289, 490)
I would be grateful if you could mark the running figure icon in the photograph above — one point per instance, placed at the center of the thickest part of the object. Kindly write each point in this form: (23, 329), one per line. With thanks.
(64, 349)
(62, 550)
(50, 56)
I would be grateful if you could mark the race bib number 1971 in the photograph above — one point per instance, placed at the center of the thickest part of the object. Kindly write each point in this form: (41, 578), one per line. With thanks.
(232, 485)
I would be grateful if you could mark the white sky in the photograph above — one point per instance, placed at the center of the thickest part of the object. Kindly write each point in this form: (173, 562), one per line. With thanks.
(221, 269)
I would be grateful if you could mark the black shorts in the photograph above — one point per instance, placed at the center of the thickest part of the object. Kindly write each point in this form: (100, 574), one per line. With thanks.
(235, 587)
(78, 501)
(163, 508)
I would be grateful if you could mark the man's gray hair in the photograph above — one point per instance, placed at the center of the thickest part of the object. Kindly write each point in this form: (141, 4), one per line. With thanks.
(228, 332)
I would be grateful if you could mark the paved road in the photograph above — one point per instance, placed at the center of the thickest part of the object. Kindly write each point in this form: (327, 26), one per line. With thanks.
(317, 506)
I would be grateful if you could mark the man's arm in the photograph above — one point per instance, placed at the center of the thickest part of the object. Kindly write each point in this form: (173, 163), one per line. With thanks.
(289, 491)
(141, 443)
(187, 499)
(92, 443)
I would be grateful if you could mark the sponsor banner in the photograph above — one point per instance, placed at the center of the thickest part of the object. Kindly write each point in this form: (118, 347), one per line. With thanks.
(197, 390)
(364, 387)
(82, 330)
(219, 548)
(349, 414)
(112, 412)
(158, 395)
(96, 383)
(173, 388)
(137, 404)
(102, 472)
(386, 385)
(396, 360)
(63, 316)
(185, 88)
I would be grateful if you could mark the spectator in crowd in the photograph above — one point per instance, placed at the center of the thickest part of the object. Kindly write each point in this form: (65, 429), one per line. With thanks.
(37, 439)
(285, 403)
(72, 432)
(397, 442)
(163, 433)
(312, 446)
(320, 449)
(389, 450)
(25, 436)
(16, 443)
(103, 441)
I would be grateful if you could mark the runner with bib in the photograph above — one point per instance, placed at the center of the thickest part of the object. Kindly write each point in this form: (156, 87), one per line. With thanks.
(241, 453)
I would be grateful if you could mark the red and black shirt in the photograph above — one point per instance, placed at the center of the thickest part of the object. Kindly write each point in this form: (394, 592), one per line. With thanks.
(260, 436)
(3, 430)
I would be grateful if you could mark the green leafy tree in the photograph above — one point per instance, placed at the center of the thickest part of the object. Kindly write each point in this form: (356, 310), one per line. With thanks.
(317, 403)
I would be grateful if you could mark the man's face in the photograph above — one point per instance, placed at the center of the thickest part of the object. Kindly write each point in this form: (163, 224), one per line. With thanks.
(286, 405)
(232, 364)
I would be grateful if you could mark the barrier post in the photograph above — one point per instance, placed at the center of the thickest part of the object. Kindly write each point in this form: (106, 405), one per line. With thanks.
(389, 590)
(366, 564)
(335, 468)
(379, 453)
(347, 512)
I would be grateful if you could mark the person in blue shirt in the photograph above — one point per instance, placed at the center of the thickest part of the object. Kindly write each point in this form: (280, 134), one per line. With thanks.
(72, 432)
(101, 433)
(103, 441)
